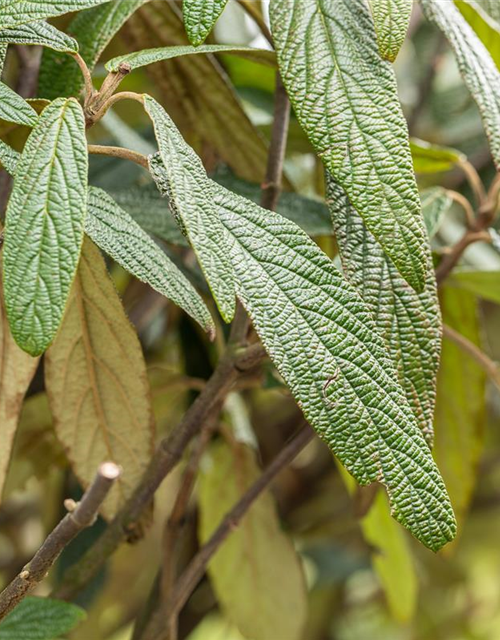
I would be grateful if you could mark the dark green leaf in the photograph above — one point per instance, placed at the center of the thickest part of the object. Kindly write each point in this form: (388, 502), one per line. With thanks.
(15, 109)
(200, 17)
(8, 158)
(39, 33)
(392, 19)
(40, 619)
(17, 12)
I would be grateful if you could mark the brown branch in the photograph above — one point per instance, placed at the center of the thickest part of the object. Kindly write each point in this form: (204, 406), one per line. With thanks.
(119, 152)
(192, 575)
(90, 91)
(80, 516)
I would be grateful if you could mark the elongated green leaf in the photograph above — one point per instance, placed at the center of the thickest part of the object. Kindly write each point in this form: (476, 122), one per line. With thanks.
(485, 27)
(485, 284)
(322, 338)
(150, 56)
(256, 573)
(39, 33)
(15, 109)
(478, 70)
(392, 19)
(93, 29)
(112, 229)
(460, 407)
(345, 97)
(95, 376)
(200, 17)
(409, 322)
(17, 12)
(432, 158)
(8, 158)
(44, 225)
(436, 202)
(180, 175)
(40, 619)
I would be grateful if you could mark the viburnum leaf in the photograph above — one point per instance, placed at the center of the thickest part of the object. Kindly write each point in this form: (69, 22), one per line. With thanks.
(486, 28)
(93, 30)
(3, 55)
(116, 233)
(40, 619)
(345, 97)
(322, 338)
(8, 158)
(151, 56)
(44, 225)
(15, 109)
(409, 322)
(433, 158)
(179, 174)
(39, 33)
(96, 380)
(17, 12)
(392, 19)
(436, 202)
(200, 17)
(478, 70)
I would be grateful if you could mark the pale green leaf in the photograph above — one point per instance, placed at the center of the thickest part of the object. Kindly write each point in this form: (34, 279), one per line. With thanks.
(409, 322)
(485, 284)
(323, 340)
(44, 225)
(256, 573)
(345, 97)
(17, 12)
(151, 56)
(8, 158)
(433, 158)
(96, 380)
(180, 175)
(40, 619)
(93, 30)
(116, 233)
(15, 109)
(478, 70)
(214, 627)
(436, 202)
(392, 19)
(460, 407)
(39, 33)
(200, 17)
(485, 27)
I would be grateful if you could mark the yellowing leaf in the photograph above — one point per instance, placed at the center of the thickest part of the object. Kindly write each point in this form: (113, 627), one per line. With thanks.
(256, 573)
(96, 381)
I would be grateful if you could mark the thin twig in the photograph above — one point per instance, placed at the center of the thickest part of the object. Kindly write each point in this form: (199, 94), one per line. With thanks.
(119, 152)
(474, 181)
(90, 91)
(80, 516)
(98, 109)
(466, 206)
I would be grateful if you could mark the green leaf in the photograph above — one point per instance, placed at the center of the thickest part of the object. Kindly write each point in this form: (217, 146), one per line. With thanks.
(409, 322)
(460, 408)
(15, 109)
(436, 202)
(39, 33)
(8, 158)
(485, 284)
(432, 158)
(44, 225)
(180, 175)
(200, 17)
(256, 574)
(3, 55)
(96, 380)
(322, 339)
(392, 19)
(151, 56)
(40, 619)
(491, 7)
(485, 27)
(93, 29)
(345, 97)
(478, 70)
(116, 233)
(18, 12)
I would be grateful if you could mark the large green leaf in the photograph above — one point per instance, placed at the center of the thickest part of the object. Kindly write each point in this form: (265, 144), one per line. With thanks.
(392, 19)
(179, 174)
(436, 202)
(39, 33)
(44, 225)
(93, 29)
(478, 70)
(151, 56)
(345, 97)
(409, 322)
(17, 12)
(256, 573)
(486, 28)
(40, 619)
(323, 340)
(116, 233)
(8, 158)
(15, 109)
(200, 17)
